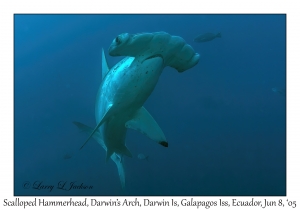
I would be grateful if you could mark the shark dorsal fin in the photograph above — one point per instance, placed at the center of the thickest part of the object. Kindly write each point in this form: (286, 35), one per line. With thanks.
(105, 67)
(142, 121)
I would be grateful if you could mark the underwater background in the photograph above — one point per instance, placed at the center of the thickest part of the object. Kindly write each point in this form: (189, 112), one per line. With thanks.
(224, 119)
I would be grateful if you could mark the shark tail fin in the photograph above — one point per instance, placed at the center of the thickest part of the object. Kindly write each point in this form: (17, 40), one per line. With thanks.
(118, 159)
(219, 35)
(121, 174)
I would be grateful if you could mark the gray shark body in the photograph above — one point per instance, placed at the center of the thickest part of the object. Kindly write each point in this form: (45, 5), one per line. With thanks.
(126, 86)
(121, 96)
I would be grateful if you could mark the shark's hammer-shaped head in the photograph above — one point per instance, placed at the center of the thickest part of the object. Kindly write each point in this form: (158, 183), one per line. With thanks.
(174, 51)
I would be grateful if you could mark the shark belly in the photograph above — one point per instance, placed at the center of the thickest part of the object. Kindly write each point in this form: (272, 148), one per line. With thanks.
(124, 90)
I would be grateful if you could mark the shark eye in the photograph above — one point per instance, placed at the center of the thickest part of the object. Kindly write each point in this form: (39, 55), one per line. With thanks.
(118, 40)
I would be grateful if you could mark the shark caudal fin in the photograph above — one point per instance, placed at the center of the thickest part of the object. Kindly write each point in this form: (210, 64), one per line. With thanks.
(116, 158)
(219, 35)
(119, 162)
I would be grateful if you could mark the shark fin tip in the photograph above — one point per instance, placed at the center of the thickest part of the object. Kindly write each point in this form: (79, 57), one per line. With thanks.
(164, 143)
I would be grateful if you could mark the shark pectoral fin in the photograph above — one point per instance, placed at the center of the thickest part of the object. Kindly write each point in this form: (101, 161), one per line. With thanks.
(83, 127)
(142, 121)
(86, 129)
(105, 67)
(104, 118)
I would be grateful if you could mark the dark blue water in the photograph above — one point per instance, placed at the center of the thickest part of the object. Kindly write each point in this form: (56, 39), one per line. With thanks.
(225, 126)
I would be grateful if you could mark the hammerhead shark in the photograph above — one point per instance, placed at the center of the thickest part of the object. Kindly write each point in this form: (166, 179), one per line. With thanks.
(126, 86)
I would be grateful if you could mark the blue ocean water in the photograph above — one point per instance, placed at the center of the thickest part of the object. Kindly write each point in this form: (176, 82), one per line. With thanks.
(224, 119)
